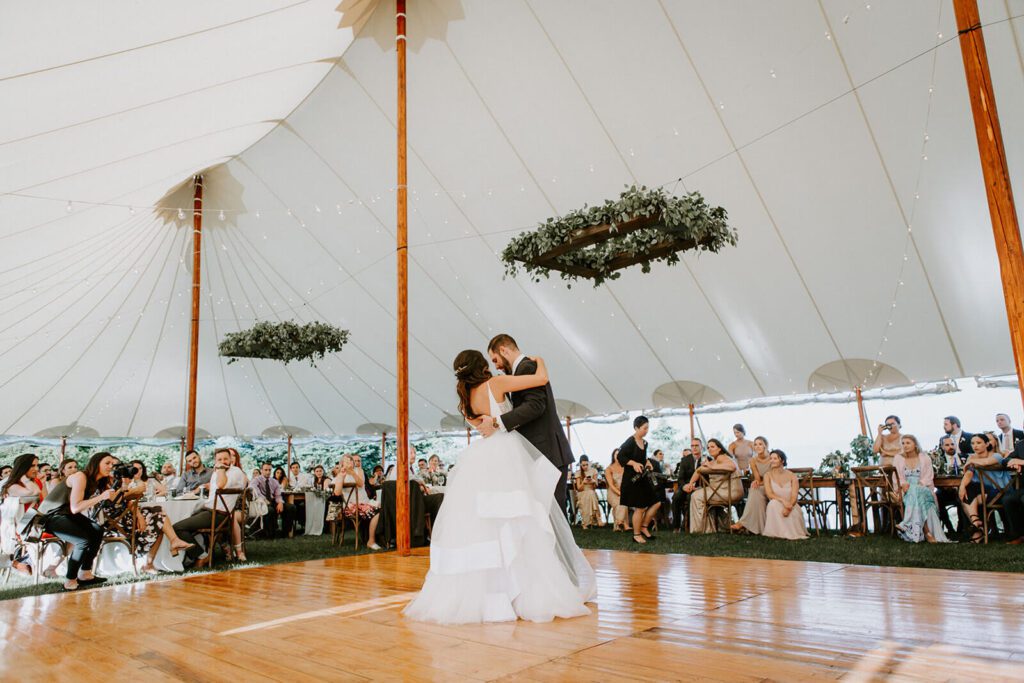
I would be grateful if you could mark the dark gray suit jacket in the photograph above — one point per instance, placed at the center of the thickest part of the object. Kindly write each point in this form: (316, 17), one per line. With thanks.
(534, 416)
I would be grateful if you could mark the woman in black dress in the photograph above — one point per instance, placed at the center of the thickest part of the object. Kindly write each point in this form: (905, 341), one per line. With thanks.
(638, 491)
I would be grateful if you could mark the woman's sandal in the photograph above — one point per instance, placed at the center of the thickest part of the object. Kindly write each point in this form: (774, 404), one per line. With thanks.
(240, 553)
(639, 539)
(646, 533)
(175, 551)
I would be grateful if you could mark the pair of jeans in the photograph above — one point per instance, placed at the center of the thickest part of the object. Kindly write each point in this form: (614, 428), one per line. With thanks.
(83, 534)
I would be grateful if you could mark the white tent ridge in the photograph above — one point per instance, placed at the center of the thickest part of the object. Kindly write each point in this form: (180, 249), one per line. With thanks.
(839, 139)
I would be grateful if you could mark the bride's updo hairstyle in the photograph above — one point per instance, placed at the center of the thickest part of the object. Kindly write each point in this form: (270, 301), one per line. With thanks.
(471, 370)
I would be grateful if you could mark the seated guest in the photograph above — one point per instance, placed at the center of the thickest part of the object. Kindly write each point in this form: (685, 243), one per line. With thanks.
(915, 480)
(149, 524)
(194, 477)
(280, 477)
(783, 518)
(421, 469)
(269, 488)
(962, 439)
(349, 499)
(1008, 436)
(141, 480)
(1013, 499)
(946, 497)
(47, 476)
(297, 479)
(721, 466)
(757, 502)
(224, 476)
(684, 472)
(613, 477)
(23, 482)
(435, 478)
(169, 477)
(64, 507)
(67, 468)
(585, 483)
(985, 454)
(887, 441)
(742, 448)
(320, 478)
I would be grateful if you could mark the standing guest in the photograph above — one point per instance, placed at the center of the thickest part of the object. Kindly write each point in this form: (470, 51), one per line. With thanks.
(742, 448)
(782, 487)
(722, 465)
(269, 488)
(169, 476)
(951, 425)
(297, 479)
(984, 454)
(195, 476)
(1013, 499)
(64, 507)
(680, 498)
(946, 497)
(613, 477)
(887, 441)
(224, 476)
(757, 501)
(637, 491)
(1008, 436)
(23, 482)
(585, 482)
(915, 480)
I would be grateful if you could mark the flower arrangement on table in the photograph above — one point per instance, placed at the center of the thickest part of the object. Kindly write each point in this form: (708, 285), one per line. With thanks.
(285, 341)
(643, 226)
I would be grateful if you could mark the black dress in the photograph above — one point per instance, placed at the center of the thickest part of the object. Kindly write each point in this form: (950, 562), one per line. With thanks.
(637, 491)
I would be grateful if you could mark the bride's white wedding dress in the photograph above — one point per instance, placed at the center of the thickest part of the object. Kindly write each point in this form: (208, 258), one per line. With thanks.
(500, 548)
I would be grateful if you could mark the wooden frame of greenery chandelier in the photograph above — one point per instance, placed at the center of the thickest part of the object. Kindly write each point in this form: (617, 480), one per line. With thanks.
(284, 341)
(596, 243)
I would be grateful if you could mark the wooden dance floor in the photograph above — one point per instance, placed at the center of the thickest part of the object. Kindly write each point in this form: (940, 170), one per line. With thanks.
(657, 618)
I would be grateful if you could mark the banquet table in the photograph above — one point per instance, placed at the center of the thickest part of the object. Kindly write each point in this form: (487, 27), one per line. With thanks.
(176, 510)
(316, 507)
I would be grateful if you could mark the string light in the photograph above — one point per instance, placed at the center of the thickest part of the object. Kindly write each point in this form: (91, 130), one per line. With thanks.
(68, 207)
(221, 214)
(181, 214)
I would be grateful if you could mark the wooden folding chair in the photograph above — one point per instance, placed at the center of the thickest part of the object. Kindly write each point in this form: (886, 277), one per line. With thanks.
(990, 504)
(122, 528)
(875, 492)
(808, 500)
(349, 499)
(220, 521)
(715, 487)
(14, 543)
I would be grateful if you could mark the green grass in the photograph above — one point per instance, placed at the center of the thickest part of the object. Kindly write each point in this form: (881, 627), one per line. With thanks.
(871, 550)
(260, 553)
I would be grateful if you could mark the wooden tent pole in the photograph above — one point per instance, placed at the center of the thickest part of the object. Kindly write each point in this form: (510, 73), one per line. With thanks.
(181, 458)
(691, 426)
(996, 174)
(860, 409)
(288, 459)
(63, 446)
(568, 429)
(401, 193)
(193, 353)
(469, 436)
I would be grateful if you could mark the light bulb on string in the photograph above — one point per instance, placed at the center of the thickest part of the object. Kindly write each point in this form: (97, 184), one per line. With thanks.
(221, 214)
(68, 207)
(257, 214)
(316, 207)
(131, 210)
(181, 214)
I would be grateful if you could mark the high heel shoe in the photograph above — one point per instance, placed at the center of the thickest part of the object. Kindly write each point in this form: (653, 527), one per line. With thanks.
(639, 539)
(240, 553)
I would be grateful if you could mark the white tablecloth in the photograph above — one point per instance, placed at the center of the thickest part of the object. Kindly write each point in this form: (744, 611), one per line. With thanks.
(315, 508)
(176, 510)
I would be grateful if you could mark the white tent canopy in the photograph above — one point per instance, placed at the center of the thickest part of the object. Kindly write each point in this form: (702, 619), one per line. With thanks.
(838, 135)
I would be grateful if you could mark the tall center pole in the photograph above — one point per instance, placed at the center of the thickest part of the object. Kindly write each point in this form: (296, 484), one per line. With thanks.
(696, 455)
(996, 174)
(860, 410)
(402, 252)
(193, 352)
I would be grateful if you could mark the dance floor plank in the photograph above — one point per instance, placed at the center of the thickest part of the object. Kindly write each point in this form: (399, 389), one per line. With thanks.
(657, 617)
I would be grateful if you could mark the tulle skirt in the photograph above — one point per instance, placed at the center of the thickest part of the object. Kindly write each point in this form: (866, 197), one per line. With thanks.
(500, 549)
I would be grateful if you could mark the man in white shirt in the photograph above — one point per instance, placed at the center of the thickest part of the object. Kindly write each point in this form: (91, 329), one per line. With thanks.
(169, 475)
(224, 476)
(1008, 436)
(297, 479)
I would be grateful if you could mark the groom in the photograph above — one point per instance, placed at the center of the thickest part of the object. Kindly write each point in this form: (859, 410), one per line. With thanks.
(533, 412)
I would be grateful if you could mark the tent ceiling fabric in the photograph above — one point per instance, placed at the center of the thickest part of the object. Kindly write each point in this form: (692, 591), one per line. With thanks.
(517, 112)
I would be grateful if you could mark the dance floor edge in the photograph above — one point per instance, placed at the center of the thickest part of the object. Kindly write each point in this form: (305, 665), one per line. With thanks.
(656, 618)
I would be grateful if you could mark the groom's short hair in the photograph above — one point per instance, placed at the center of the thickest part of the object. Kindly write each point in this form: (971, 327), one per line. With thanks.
(502, 340)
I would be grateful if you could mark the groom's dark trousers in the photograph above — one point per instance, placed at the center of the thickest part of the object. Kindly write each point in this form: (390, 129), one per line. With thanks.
(535, 416)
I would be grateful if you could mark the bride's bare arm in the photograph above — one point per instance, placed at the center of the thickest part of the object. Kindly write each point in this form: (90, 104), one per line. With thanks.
(506, 384)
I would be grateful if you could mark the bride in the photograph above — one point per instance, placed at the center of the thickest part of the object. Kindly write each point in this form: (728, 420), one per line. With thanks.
(501, 549)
